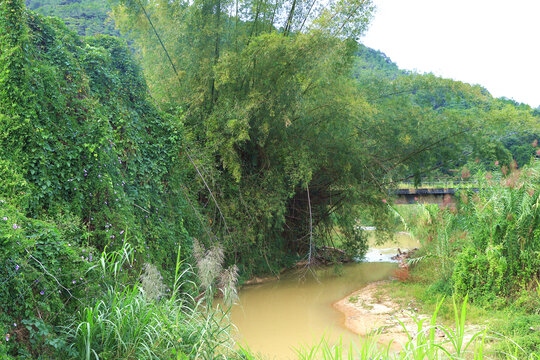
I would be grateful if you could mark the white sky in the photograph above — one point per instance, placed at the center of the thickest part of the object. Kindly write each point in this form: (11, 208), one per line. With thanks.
(494, 43)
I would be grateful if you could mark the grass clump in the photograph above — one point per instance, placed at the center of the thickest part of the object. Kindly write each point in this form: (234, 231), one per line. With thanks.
(141, 321)
(129, 325)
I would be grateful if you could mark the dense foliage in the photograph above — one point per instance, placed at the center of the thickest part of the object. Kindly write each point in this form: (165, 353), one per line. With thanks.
(488, 245)
(503, 223)
(87, 162)
(266, 110)
(488, 248)
(82, 139)
(87, 17)
(370, 61)
(297, 129)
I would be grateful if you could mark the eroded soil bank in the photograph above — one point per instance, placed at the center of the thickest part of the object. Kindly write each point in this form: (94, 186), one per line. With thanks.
(372, 309)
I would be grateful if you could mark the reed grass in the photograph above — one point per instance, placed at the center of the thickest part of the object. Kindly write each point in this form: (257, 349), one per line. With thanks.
(126, 324)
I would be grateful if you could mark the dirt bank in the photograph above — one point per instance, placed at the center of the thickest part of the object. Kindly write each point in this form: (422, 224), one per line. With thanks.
(371, 310)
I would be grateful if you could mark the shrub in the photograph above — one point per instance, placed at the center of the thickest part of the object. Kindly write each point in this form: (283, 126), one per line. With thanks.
(480, 273)
(44, 279)
(489, 246)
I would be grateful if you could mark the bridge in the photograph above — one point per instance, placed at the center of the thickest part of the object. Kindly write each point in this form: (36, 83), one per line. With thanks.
(434, 194)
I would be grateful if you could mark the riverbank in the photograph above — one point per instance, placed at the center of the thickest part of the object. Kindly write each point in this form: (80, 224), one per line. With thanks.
(379, 306)
(325, 256)
(372, 310)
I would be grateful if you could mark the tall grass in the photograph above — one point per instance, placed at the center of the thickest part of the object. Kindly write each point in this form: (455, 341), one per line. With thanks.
(421, 344)
(488, 246)
(127, 324)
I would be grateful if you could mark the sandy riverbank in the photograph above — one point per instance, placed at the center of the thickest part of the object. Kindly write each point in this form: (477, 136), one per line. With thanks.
(371, 310)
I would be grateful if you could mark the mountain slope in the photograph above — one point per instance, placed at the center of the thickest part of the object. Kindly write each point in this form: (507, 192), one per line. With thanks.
(87, 17)
(82, 139)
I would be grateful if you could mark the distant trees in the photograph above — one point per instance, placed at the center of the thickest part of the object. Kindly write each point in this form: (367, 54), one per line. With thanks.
(87, 17)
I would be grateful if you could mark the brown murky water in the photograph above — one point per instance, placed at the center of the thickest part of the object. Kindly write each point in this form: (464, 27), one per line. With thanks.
(275, 317)
(402, 240)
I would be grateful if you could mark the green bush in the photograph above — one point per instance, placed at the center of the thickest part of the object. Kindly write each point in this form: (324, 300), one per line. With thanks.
(480, 273)
(44, 280)
(489, 246)
(128, 325)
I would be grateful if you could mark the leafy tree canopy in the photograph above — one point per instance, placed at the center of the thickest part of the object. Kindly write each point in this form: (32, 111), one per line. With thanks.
(294, 124)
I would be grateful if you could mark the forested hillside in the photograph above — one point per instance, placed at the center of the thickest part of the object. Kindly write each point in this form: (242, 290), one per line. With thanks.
(370, 61)
(87, 17)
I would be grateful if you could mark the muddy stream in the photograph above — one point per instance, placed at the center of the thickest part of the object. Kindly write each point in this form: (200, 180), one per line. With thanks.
(275, 317)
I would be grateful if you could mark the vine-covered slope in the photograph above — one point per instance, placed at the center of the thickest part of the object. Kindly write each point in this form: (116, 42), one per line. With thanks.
(81, 139)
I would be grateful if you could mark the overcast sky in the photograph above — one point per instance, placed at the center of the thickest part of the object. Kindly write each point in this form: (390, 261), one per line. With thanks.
(493, 43)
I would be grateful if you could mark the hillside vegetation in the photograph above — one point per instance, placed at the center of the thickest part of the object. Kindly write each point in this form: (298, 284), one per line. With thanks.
(230, 139)
(87, 163)
(86, 17)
